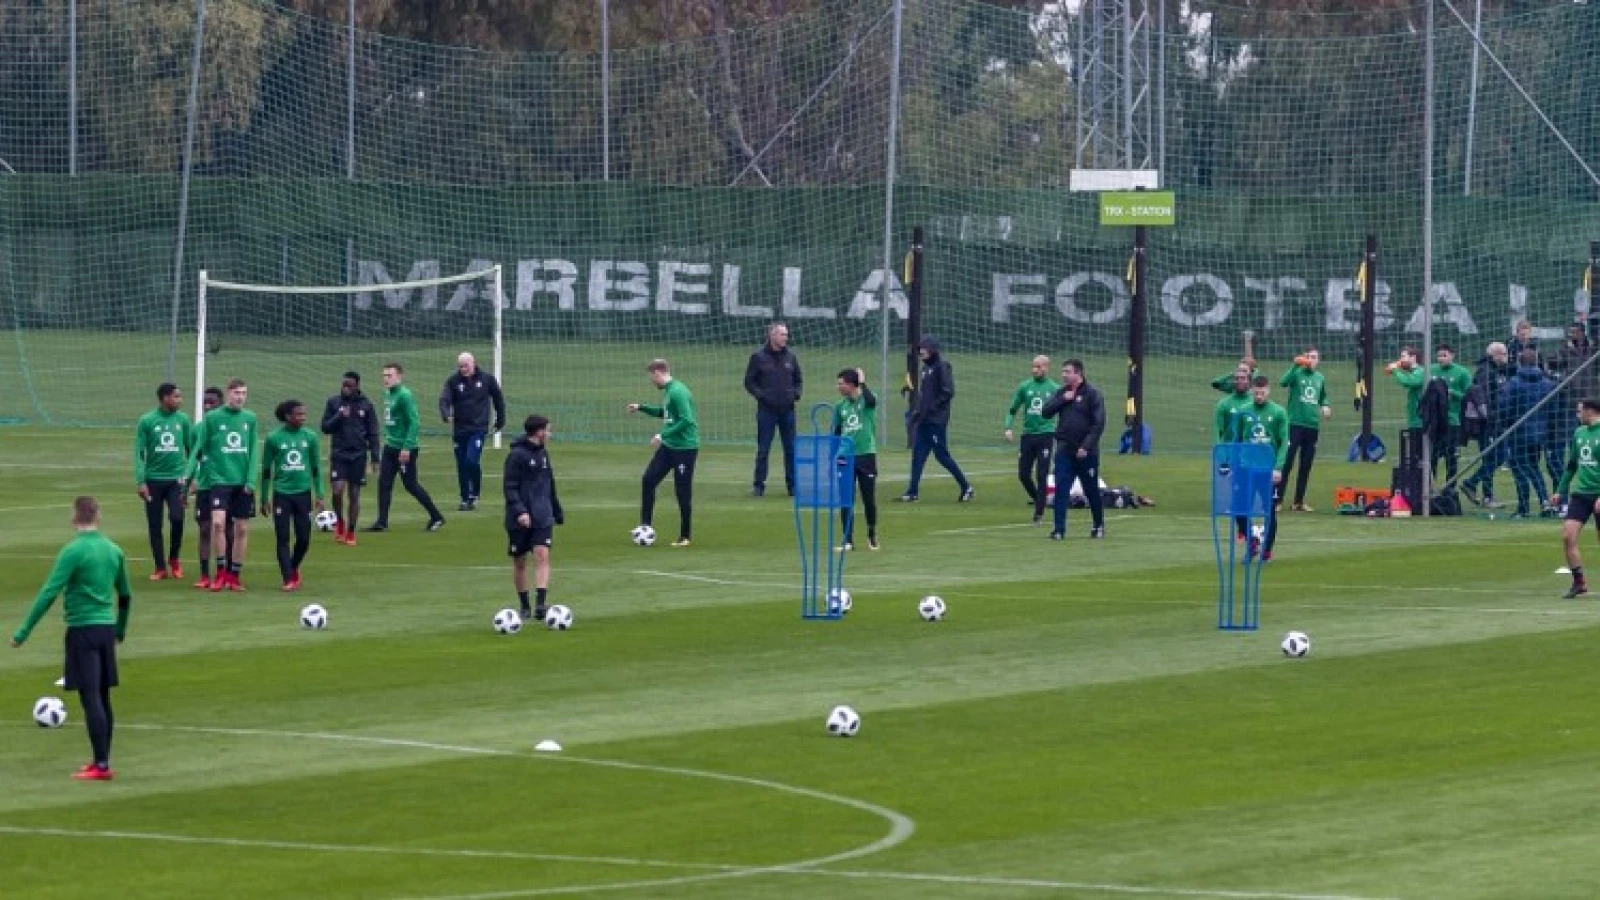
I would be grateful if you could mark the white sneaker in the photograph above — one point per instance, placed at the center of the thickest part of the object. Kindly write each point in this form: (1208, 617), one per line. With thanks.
(61, 682)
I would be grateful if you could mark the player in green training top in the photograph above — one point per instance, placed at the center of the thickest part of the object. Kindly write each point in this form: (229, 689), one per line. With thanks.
(225, 449)
(676, 446)
(1264, 422)
(160, 451)
(291, 472)
(1458, 379)
(1229, 406)
(856, 417)
(1038, 433)
(1580, 485)
(1308, 406)
(200, 487)
(1410, 376)
(401, 450)
(94, 574)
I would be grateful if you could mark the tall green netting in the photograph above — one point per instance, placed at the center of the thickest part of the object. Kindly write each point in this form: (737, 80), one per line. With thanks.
(744, 180)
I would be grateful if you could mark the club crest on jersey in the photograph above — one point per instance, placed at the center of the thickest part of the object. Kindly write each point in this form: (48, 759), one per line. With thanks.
(168, 441)
(233, 442)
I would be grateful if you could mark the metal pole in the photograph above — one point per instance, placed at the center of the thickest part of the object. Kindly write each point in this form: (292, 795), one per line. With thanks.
(888, 190)
(1127, 83)
(1427, 242)
(72, 87)
(1472, 98)
(1161, 90)
(605, 89)
(350, 151)
(1079, 67)
(499, 333)
(183, 186)
(200, 307)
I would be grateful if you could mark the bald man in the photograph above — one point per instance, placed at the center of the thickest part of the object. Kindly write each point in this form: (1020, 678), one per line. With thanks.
(1033, 461)
(464, 404)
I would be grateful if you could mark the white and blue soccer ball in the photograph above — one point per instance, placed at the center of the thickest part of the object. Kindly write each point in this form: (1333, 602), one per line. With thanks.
(843, 722)
(1296, 644)
(643, 535)
(326, 520)
(558, 618)
(314, 617)
(507, 621)
(839, 601)
(931, 608)
(49, 712)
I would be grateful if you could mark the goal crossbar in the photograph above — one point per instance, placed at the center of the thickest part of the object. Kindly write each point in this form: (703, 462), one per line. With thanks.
(495, 274)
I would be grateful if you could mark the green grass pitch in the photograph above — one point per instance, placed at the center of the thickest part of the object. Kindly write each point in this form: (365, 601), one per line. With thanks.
(1075, 728)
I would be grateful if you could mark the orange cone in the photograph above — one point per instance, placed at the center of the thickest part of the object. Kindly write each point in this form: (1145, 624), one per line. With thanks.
(1399, 508)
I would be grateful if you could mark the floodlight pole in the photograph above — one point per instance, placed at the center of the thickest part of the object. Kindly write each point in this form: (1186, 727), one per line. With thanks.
(1427, 245)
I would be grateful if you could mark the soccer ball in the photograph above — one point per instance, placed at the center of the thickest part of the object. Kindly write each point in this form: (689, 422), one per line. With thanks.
(1296, 644)
(839, 601)
(644, 535)
(49, 712)
(844, 722)
(931, 609)
(313, 617)
(558, 618)
(507, 621)
(326, 520)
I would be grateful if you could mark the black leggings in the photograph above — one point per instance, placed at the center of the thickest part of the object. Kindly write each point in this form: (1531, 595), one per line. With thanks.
(98, 719)
(291, 511)
(391, 466)
(1033, 467)
(165, 496)
(680, 463)
(866, 478)
(1302, 441)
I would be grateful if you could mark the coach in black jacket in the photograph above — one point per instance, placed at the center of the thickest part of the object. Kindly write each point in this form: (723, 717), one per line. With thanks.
(1080, 414)
(930, 421)
(773, 378)
(351, 422)
(532, 512)
(464, 403)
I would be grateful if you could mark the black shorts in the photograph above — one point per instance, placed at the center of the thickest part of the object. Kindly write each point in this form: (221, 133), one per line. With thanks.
(234, 500)
(286, 506)
(348, 471)
(168, 494)
(1581, 508)
(522, 540)
(867, 466)
(91, 657)
(202, 506)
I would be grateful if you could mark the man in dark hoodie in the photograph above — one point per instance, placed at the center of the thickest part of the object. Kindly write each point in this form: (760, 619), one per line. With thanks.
(1494, 370)
(1521, 394)
(1080, 414)
(532, 512)
(351, 423)
(930, 421)
(773, 378)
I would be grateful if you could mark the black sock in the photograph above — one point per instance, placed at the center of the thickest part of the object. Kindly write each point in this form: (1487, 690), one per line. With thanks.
(205, 568)
(540, 593)
(522, 597)
(236, 568)
(1577, 574)
(222, 564)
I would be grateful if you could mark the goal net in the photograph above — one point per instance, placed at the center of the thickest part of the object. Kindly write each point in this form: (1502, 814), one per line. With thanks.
(296, 342)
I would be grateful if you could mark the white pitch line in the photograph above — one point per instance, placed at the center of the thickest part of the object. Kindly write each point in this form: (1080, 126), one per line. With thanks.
(979, 529)
(703, 579)
(311, 847)
(1142, 890)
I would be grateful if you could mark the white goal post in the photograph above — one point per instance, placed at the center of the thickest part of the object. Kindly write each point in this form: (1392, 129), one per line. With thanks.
(204, 328)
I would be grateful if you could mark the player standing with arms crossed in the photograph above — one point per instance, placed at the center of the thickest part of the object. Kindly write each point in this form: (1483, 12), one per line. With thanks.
(351, 423)
(291, 471)
(1308, 406)
(532, 512)
(160, 452)
(676, 447)
(400, 450)
(225, 444)
(856, 417)
(1033, 458)
(1580, 484)
(93, 571)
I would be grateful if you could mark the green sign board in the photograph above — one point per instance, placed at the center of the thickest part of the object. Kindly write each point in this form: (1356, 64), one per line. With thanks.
(1138, 208)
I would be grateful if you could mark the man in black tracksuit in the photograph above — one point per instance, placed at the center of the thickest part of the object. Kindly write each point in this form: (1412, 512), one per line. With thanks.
(464, 404)
(1080, 414)
(930, 421)
(532, 512)
(352, 424)
(773, 378)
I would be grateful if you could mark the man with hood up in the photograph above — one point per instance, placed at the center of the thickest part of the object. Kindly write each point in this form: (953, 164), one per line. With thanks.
(930, 420)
